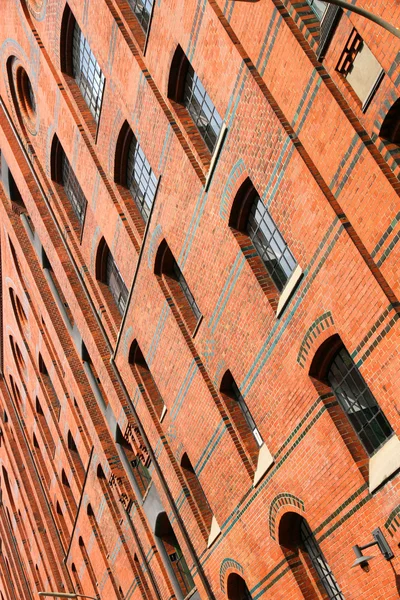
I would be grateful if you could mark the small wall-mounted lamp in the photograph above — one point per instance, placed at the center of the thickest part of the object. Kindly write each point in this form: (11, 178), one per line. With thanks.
(380, 541)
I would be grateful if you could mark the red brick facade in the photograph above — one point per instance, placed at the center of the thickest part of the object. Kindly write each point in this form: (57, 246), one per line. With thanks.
(129, 467)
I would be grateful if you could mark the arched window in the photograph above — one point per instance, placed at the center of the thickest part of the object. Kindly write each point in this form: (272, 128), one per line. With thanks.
(306, 559)
(203, 508)
(166, 535)
(390, 130)
(62, 173)
(186, 89)
(19, 312)
(145, 379)
(108, 273)
(166, 265)
(79, 62)
(78, 464)
(10, 187)
(229, 388)
(142, 10)
(237, 588)
(50, 389)
(357, 401)
(251, 217)
(133, 170)
(18, 358)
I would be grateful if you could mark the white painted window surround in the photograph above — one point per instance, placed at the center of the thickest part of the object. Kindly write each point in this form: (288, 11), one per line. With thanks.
(214, 532)
(289, 289)
(265, 462)
(384, 463)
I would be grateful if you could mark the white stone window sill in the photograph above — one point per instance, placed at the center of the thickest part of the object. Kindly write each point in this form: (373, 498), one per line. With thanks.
(216, 153)
(214, 532)
(163, 413)
(384, 463)
(289, 289)
(265, 462)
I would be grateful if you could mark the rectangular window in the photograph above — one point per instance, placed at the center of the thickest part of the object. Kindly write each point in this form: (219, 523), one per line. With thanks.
(360, 68)
(87, 73)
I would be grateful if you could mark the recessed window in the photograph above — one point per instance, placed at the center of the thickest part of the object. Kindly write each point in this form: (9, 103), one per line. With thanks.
(309, 566)
(73, 190)
(318, 561)
(175, 286)
(87, 72)
(250, 216)
(357, 401)
(108, 273)
(360, 68)
(186, 290)
(142, 10)
(203, 112)
(145, 380)
(246, 413)
(63, 174)
(116, 284)
(141, 474)
(25, 93)
(190, 98)
(270, 244)
(140, 178)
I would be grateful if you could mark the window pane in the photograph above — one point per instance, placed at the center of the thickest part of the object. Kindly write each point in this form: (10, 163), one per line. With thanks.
(270, 244)
(358, 403)
(141, 180)
(142, 10)
(185, 289)
(319, 563)
(318, 7)
(87, 73)
(202, 109)
(246, 413)
(73, 190)
(116, 284)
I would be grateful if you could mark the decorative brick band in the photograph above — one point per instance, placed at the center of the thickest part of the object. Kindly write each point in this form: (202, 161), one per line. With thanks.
(393, 522)
(283, 499)
(228, 563)
(320, 324)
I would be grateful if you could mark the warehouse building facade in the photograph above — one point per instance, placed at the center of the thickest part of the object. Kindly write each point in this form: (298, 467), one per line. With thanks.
(199, 227)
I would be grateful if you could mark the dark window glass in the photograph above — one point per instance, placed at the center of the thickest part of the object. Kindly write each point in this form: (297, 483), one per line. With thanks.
(141, 473)
(185, 289)
(73, 190)
(201, 109)
(318, 7)
(247, 415)
(358, 403)
(142, 10)
(31, 95)
(319, 563)
(141, 180)
(116, 284)
(87, 73)
(270, 244)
